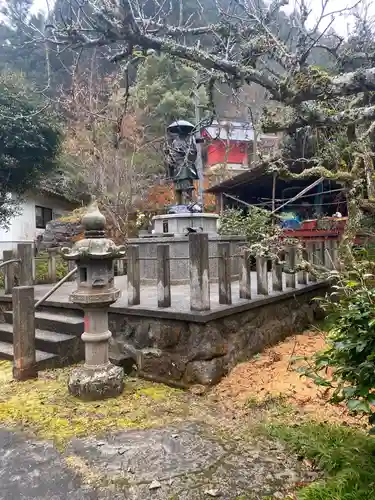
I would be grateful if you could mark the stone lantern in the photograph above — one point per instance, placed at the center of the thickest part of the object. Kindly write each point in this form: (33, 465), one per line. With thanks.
(96, 291)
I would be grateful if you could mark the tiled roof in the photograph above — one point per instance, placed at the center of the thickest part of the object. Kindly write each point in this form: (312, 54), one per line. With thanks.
(233, 131)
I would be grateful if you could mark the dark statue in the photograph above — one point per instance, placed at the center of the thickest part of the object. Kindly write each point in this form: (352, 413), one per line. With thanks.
(180, 154)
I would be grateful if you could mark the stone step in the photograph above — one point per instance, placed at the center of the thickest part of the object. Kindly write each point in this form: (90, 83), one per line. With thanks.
(60, 322)
(43, 359)
(67, 347)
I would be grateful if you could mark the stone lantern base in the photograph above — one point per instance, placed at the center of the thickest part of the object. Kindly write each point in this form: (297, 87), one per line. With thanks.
(91, 385)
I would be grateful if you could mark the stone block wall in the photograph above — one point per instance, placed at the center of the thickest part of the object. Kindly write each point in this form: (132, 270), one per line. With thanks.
(187, 352)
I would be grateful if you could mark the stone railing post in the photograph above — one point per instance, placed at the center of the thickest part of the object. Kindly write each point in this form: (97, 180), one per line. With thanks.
(199, 272)
(303, 276)
(224, 273)
(311, 259)
(262, 275)
(319, 253)
(164, 276)
(327, 254)
(24, 364)
(52, 253)
(335, 254)
(25, 253)
(277, 277)
(9, 271)
(291, 278)
(245, 275)
(134, 277)
(120, 267)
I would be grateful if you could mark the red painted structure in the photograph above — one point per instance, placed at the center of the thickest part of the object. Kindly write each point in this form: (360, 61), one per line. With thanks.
(232, 152)
(309, 230)
(228, 143)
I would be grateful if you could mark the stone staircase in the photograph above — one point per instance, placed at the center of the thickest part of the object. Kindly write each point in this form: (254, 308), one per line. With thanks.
(57, 337)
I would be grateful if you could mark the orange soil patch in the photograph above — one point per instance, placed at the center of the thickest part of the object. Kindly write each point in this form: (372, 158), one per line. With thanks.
(273, 373)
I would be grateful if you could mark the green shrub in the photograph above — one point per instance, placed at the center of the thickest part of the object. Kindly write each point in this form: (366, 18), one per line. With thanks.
(256, 224)
(350, 341)
(41, 270)
(260, 228)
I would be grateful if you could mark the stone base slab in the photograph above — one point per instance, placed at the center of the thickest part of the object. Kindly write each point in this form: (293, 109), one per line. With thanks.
(91, 385)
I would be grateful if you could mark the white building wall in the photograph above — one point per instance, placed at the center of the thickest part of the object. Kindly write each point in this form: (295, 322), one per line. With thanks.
(23, 228)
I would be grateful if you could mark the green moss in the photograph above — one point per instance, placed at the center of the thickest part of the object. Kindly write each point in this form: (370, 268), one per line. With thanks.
(157, 392)
(313, 76)
(44, 407)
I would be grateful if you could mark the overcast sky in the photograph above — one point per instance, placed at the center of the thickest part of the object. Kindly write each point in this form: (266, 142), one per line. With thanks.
(341, 24)
(342, 21)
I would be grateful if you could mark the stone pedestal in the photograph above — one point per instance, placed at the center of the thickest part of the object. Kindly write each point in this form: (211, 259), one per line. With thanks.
(99, 383)
(177, 224)
(172, 229)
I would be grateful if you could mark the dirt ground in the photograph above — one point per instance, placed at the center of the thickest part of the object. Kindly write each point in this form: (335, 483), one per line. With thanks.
(273, 374)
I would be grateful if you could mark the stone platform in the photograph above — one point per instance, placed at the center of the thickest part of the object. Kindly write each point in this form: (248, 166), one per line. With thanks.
(181, 347)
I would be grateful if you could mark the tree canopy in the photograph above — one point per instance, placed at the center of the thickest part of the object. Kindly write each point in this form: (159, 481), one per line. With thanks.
(164, 91)
(319, 84)
(326, 114)
(29, 141)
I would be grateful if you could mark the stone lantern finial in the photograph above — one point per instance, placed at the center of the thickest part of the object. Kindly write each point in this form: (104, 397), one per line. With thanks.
(93, 221)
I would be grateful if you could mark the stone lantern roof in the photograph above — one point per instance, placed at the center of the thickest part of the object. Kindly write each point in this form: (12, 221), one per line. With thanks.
(95, 245)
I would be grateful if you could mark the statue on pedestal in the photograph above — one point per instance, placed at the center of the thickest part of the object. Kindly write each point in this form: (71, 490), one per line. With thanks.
(180, 154)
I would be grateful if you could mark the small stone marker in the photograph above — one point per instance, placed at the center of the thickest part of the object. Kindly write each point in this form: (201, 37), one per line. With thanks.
(277, 277)
(291, 277)
(134, 277)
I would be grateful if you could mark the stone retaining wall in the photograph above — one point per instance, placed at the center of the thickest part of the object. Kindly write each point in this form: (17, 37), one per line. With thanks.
(187, 352)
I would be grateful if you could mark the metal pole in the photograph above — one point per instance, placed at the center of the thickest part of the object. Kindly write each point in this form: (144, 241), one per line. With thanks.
(299, 195)
(54, 288)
